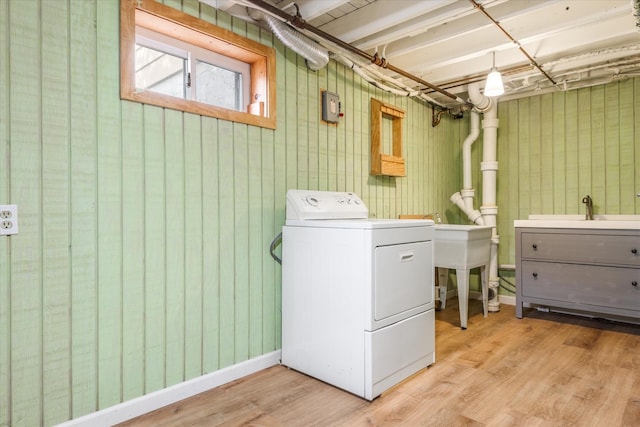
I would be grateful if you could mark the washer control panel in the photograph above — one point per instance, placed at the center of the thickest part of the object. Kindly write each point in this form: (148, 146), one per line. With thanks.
(310, 204)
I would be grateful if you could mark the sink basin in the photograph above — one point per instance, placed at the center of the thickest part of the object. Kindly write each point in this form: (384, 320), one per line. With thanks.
(619, 222)
(461, 246)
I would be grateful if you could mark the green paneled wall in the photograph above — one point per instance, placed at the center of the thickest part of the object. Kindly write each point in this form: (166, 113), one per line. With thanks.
(142, 258)
(555, 148)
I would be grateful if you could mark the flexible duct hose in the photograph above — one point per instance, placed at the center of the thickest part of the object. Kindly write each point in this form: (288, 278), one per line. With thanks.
(315, 55)
(636, 12)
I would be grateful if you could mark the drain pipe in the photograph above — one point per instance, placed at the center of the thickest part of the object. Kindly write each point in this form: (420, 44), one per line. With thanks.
(489, 167)
(464, 198)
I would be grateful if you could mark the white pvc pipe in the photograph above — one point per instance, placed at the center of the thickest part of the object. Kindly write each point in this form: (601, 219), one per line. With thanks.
(365, 72)
(466, 150)
(489, 166)
(467, 187)
(473, 214)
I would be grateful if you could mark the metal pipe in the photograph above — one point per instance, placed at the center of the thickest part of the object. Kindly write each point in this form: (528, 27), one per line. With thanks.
(477, 78)
(298, 22)
(516, 42)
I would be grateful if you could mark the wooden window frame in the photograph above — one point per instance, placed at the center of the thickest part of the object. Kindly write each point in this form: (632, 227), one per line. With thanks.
(174, 23)
(385, 164)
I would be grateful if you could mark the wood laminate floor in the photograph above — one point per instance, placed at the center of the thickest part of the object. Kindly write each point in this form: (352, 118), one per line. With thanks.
(547, 369)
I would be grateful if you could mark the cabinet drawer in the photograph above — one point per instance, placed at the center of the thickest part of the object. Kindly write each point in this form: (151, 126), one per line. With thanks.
(582, 284)
(587, 248)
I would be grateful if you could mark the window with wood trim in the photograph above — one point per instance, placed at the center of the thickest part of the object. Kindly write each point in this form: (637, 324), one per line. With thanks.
(175, 60)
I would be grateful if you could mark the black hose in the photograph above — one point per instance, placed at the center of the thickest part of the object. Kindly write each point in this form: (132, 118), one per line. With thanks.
(274, 244)
(506, 288)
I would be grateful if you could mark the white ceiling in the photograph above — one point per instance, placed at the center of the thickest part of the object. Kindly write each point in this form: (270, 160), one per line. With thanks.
(449, 43)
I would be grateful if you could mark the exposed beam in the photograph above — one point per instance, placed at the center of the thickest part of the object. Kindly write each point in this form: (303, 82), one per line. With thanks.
(220, 4)
(300, 23)
(311, 9)
(379, 16)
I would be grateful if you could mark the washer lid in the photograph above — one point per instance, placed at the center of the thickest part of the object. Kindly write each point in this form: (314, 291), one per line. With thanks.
(365, 224)
(310, 204)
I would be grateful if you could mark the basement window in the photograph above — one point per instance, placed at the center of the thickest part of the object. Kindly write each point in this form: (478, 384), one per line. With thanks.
(174, 60)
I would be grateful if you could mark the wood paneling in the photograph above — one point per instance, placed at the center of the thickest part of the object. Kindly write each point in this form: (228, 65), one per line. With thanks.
(155, 246)
(110, 236)
(25, 254)
(5, 191)
(56, 265)
(83, 192)
(142, 258)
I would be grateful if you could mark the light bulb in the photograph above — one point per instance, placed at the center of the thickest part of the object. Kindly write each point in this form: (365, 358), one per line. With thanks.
(493, 86)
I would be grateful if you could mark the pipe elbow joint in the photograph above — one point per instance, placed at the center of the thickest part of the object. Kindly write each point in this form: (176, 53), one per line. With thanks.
(476, 217)
(481, 102)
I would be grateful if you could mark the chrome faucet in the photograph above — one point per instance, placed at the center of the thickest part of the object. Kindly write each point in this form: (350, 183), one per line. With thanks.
(589, 202)
(436, 217)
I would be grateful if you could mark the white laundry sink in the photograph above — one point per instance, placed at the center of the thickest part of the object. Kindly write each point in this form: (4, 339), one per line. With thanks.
(612, 222)
(463, 247)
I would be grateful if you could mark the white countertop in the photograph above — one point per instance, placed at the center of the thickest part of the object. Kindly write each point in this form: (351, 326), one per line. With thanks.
(606, 222)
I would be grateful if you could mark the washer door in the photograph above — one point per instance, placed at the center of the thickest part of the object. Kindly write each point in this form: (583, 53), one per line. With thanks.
(403, 278)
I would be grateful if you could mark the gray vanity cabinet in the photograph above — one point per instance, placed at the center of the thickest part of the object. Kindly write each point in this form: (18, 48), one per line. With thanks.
(592, 271)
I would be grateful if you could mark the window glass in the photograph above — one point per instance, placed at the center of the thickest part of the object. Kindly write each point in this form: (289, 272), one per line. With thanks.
(218, 86)
(160, 72)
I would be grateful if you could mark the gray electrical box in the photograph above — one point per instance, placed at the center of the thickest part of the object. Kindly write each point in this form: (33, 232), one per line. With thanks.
(330, 107)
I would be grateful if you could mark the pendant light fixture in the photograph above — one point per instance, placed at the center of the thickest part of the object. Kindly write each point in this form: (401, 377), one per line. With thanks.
(493, 86)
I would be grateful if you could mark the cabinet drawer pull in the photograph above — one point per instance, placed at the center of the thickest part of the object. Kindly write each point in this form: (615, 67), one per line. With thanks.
(634, 251)
(634, 283)
(535, 275)
(534, 246)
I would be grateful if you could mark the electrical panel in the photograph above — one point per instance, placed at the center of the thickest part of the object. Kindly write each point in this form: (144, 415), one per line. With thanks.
(330, 107)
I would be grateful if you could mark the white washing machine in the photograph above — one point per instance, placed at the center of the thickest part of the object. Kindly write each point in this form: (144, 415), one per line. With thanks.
(358, 307)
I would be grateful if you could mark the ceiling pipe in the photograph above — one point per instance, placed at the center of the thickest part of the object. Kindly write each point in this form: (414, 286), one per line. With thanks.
(632, 48)
(365, 74)
(298, 22)
(636, 12)
(516, 42)
(477, 78)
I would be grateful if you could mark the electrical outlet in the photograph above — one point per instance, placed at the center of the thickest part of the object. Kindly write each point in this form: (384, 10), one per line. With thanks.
(8, 220)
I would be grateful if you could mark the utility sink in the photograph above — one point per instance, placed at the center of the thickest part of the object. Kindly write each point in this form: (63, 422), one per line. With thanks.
(462, 247)
(611, 222)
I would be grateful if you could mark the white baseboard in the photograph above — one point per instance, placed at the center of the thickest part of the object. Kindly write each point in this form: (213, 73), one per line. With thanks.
(158, 399)
(507, 299)
(504, 299)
